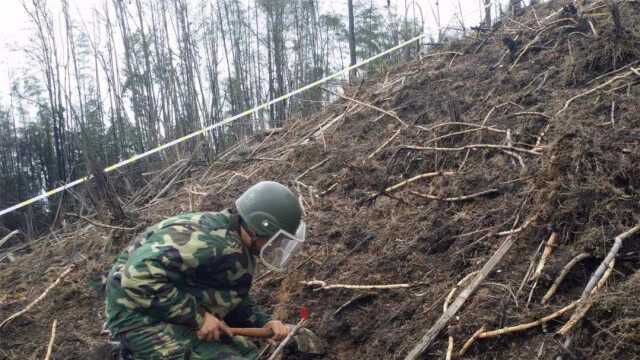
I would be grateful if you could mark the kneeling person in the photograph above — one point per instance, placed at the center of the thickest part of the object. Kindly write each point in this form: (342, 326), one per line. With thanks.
(173, 293)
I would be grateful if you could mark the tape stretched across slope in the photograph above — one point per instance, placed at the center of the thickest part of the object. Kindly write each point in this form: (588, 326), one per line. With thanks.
(209, 128)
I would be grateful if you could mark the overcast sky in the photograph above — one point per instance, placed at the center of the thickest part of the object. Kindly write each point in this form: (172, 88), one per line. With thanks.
(16, 29)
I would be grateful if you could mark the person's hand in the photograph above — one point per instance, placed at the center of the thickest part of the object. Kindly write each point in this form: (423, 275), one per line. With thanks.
(212, 328)
(280, 330)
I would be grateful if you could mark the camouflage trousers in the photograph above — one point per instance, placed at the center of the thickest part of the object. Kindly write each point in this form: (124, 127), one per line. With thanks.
(172, 342)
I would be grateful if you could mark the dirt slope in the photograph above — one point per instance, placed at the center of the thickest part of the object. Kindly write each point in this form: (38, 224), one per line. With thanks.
(553, 165)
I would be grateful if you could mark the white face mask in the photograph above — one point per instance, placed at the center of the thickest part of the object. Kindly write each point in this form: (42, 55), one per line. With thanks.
(281, 247)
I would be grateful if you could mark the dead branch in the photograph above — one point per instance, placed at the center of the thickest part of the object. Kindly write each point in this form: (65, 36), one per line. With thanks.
(400, 185)
(517, 157)
(330, 189)
(11, 234)
(597, 280)
(591, 91)
(530, 113)
(635, 71)
(388, 113)
(449, 349)
(470, 342)
(548, 250)
(445, 305)
(532, 263)
(384, 144)
(433, 332)
(617, 244)
(98, 224)
(585, 305)
(473, 146)
(536, 39)
(286, 340)
(51, 340)
(430, 141)
(563, 273)
(523, 327)
(312, 168)
(458, 198)
(321, 285)
(39, 298)
(457, 123)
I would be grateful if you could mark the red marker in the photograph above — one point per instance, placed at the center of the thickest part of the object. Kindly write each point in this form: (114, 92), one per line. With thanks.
(304, 313)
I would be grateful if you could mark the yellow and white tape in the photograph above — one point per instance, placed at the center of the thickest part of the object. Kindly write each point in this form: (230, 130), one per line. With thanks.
(209, 128)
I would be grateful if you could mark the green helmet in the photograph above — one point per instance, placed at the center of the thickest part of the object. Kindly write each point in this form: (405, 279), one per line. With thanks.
(268, 207)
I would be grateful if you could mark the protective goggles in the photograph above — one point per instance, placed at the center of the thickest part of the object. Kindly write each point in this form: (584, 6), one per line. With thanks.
(281, 247)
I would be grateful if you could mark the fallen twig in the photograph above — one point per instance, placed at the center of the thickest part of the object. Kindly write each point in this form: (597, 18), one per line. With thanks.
(563, 273)
(445, 305)
(312, 168)
(473, 146)
(391, 114)
(585, 305)
(597, 280)
(449, 349)
(526, 326)
(527, 113)
(98, 224)
(457, 123)
(458, 198)
(321, 285)
(550, 245)
(51, 340)
(401, 184)
(9, 236)
(39, 298)
(612, 80)
(433, 332)
(470, 342)
(517, 157)
(384, 144)
(286, 340)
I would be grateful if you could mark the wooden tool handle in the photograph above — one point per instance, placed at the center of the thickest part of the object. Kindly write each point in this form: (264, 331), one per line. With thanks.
(252, 332)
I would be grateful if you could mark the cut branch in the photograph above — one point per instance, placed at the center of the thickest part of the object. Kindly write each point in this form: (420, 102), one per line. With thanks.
(548, 250)
(458, 198)
(9, 236)
(286, 340)
(433, 332)
(51, 340)
(526, 113)
(388, 113)
(523, 327)
(473, 146)
(455, 123)
(98, 224)
(39, 298)
(321, 285)
(614, 79)
(470, 342)
(597, 280)
(384, 144)
(312, 168)
(563, 273)
(400, 185)
(585, 305)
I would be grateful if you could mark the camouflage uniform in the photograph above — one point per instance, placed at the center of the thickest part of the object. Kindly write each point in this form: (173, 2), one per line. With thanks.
(160, 287)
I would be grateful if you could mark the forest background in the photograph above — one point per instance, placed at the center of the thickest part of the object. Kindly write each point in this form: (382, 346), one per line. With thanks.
(89, 83)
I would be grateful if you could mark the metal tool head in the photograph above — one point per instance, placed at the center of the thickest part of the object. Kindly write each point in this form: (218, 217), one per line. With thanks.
(306, 341)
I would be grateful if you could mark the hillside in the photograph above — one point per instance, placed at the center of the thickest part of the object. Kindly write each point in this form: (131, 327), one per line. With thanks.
(528, 133)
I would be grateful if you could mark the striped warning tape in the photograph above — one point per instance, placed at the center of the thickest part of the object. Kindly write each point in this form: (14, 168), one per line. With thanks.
(209, 128)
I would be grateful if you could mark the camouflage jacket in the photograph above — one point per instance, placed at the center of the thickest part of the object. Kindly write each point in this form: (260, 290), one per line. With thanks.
(180, 268)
